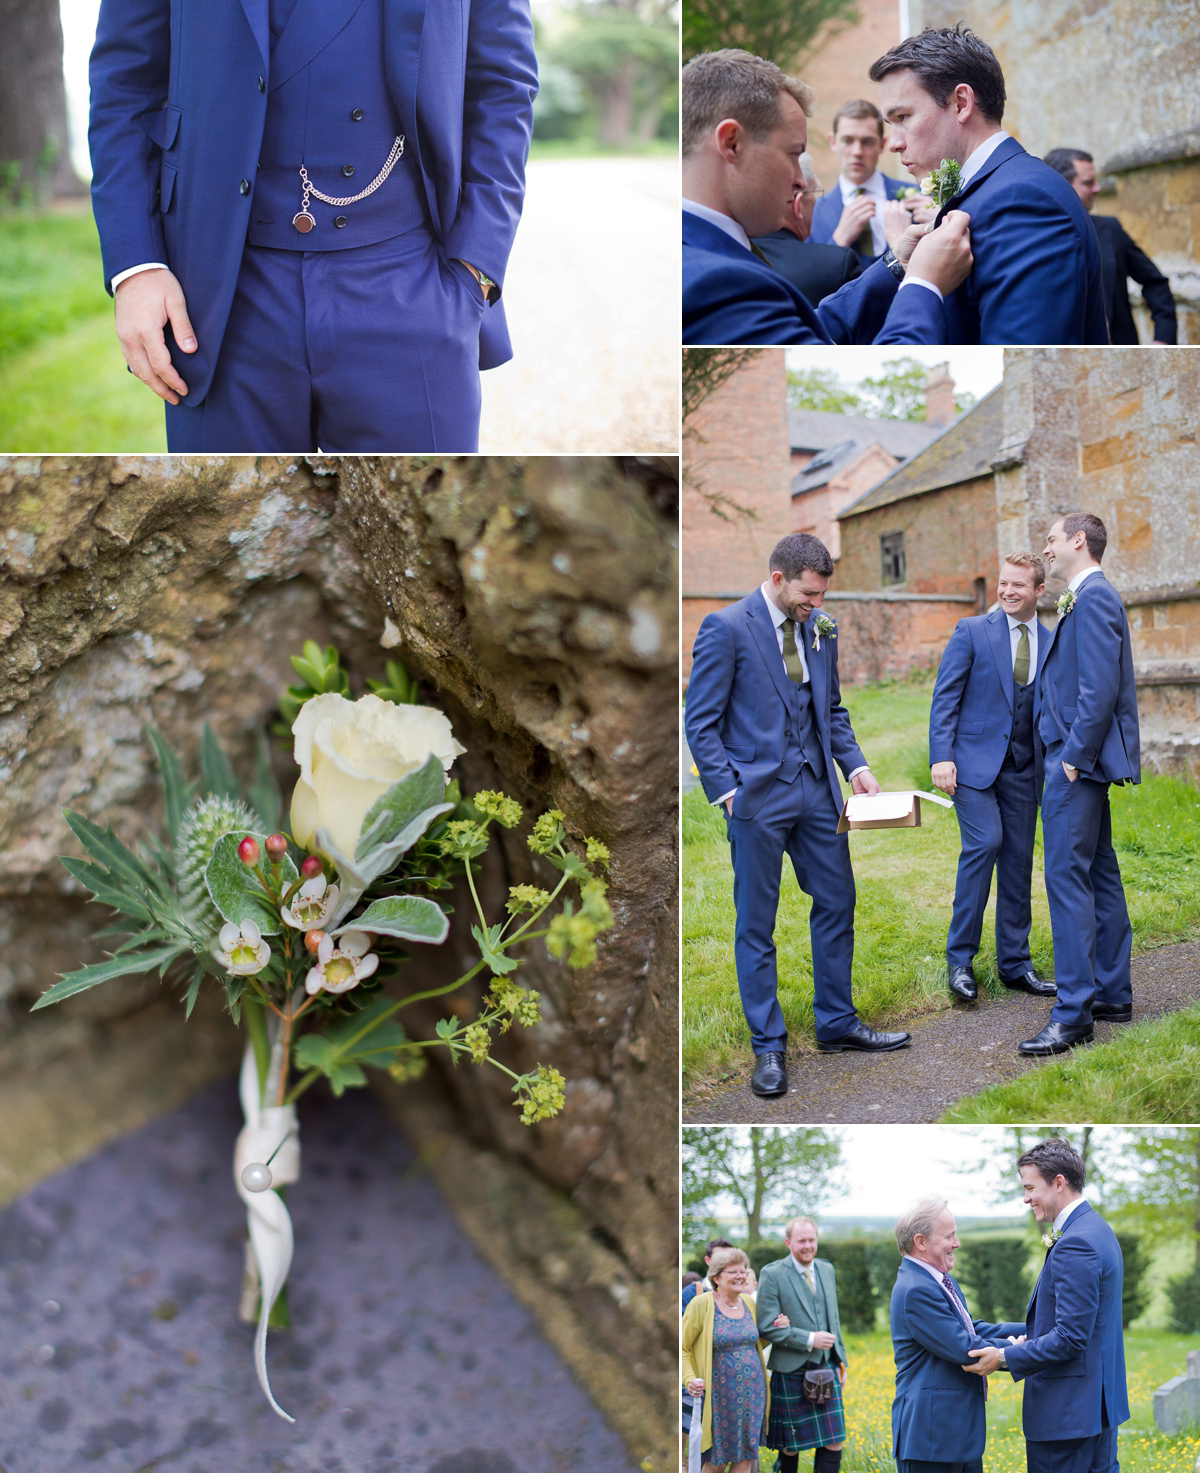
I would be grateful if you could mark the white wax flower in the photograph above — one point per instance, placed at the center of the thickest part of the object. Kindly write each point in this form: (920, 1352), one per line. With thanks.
(312, 905)
(241, 949)
(342, 965)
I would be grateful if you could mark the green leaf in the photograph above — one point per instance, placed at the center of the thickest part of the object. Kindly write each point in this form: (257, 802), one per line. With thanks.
(105, 889)
(410, 917)
(446, 1028)
(265, 797)
(500, 964)
(193, 992)
(234, 987)
(570, 864)
(405, 811)
(218, 775)
(126, 965)
(235, 890)
(371, 1036)
(174, 788)
(314, 1051)
(103, 845)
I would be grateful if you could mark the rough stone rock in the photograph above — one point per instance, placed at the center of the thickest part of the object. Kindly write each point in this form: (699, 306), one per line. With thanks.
(536, 601)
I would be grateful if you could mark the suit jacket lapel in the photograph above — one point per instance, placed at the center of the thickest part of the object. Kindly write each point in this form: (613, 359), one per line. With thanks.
(1045, 640)
(310, 28)
(1001, 644)
(1008, 149)
(818, 675)
(257, 13)
(762, 630)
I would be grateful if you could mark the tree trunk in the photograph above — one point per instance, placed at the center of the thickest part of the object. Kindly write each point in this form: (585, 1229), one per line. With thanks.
(614, 126)
(35, 158)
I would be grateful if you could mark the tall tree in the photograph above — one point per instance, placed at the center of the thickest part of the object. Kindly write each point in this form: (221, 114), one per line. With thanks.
(625, 54)
(1099, 1146)
(779, 30)
(765, 1169)
(35, 161)
(898, 393)
(1160, 1195)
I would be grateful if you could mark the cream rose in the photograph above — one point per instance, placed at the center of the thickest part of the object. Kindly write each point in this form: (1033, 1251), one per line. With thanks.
(351, 752)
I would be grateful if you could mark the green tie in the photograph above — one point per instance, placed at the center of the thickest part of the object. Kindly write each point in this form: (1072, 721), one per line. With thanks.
(1021, 664)
(791, 655)
(759, 254)
(866, 241)
(808, 1279)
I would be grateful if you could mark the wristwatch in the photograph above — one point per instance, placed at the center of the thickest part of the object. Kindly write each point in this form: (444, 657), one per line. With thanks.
(893, 265)
(1003, 1362)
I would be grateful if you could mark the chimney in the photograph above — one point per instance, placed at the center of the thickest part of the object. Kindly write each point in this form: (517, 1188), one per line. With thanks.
(939, 396)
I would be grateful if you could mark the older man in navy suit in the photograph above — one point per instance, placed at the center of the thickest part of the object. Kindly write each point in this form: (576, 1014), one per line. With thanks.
(1036, 274)
(316, 199)
(1088, 722)
(765, 724)
(1073, 1357)
(985, 753)
(938, 1419)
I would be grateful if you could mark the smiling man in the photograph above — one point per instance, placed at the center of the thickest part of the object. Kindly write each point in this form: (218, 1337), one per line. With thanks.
(985, 753)
(1036, 272)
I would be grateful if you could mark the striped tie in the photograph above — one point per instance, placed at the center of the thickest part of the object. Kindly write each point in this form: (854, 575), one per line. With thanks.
(964, 1316)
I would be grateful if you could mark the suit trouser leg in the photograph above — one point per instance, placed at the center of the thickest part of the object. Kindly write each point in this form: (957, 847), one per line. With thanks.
(1072, 1454)
(1072, 815)
(1016, 798)
(1114, 934)
(981, 836)
(756, 852)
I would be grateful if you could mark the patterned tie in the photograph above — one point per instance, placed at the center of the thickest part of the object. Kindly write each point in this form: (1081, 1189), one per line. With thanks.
(1021, 664)
(964, 1316)
(791, 655)
(866, 241)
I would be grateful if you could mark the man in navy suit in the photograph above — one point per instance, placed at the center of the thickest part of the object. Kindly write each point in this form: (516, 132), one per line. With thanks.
(765, 724)
(316, 199)
(744, 131)
(1088, 722)
(1036, 274)
(853, 214)
(985, 753)
(938, 1419)
(1073, 1358)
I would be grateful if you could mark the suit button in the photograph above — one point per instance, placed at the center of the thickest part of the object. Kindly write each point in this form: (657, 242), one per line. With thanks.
(262, 86)
(340, 222)
(357, 115)
(244, 187)
(347, 170)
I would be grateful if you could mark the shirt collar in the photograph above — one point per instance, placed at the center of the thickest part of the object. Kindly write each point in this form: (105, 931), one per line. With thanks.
(723, 222)
(1060, 1220)
(928, 1267)
(799, 1267)
(873, 186)
(1017, 623)
(1079, 577)
(779, 618)
(981, 155)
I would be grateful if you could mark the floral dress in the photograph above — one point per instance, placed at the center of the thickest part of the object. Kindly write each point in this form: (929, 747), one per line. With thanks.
(739, 1389)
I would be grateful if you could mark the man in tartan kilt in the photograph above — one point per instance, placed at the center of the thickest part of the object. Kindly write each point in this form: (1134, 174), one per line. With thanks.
(802, 1288)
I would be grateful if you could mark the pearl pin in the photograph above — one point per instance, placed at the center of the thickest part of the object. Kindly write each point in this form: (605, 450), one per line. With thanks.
(256, 1177)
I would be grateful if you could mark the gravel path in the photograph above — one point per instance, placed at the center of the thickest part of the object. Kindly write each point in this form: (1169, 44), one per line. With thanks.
(952, 1054)
(119, 1281)
(592, 300)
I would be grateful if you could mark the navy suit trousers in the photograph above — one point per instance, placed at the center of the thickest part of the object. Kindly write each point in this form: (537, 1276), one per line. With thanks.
(799, 820)
(996, 826)
(1088, 916)
(1096, 1454)
(374, 348)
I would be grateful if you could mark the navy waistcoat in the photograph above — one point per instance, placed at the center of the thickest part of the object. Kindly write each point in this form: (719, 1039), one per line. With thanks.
(1020, 744)
(804, 745)
(328, 108)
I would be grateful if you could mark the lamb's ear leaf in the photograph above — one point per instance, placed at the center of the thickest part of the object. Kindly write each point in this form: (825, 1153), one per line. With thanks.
(235, 890)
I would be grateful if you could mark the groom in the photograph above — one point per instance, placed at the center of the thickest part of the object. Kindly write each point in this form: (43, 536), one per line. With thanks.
(765, 723)
(305, 209)
(1073, 1357)
(1036, 276)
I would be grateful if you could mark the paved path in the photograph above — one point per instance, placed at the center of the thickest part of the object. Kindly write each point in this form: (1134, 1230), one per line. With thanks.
(592, 300)
(122, 1352)
(953, 1053)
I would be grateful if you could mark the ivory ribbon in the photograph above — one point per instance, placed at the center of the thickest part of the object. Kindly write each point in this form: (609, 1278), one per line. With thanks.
(268, 1129)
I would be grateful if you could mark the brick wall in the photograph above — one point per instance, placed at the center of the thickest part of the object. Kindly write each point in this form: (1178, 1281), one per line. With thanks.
(949, 541)
(891, 635)
(817, 511)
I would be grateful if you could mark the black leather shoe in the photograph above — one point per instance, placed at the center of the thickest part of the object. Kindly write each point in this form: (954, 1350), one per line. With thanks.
(963, 985)
(862, 1037)
(1055, 1039)
(770, 1074)
(1030, 982)
(1103, 1013)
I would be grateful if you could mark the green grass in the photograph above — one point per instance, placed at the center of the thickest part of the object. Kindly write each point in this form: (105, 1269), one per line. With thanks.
(50, 274)
(905, 884)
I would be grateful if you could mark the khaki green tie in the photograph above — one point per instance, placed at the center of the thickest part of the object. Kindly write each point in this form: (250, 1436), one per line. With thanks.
(791, 655)
(808, 1279)
(1021, 663)
(866, 241)
(759, 254)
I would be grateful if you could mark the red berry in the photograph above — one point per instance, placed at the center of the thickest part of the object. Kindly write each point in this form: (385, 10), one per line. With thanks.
(248, 850)
(276, 847)
(311, 867)
(312, 940)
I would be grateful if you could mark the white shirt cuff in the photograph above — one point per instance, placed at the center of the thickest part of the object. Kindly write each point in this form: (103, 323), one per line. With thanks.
(721, 801)
(811, 1338)
(920, 281)
(133, 271)
(855, 773)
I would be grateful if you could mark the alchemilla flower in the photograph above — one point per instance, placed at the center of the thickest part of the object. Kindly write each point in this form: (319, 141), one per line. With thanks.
(540, 1095)
(241, 949)
(312, 905)
(343, 964)
(500, 806)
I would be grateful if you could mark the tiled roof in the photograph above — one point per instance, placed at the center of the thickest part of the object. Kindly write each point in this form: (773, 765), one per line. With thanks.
(816, 429)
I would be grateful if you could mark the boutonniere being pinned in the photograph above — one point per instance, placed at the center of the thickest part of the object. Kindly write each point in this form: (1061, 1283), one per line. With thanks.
(1050, 1238)
(1066, 602)
(826, 626)
(944, 183)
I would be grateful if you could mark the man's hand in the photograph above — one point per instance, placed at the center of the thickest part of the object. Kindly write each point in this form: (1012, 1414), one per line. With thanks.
(474, 273)
(729, 806)
(920, 207)
(1016, 1339)
(854, 216)
(823, 1340)
(144, 304)
(1071, 772)
(863, 782)
(841, 1370)
(944, 256)
(696, 1386)
(986, 1360)
(906, 243)
(945, 777)
(780, 1322)
(895, 221)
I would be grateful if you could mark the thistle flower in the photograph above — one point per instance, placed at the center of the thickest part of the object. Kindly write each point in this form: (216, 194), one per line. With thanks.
(311, 906)
(241, 949)
(203, 824)
(342, 965)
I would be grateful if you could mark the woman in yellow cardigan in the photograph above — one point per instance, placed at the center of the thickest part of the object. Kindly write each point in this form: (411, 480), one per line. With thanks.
(723, 1361)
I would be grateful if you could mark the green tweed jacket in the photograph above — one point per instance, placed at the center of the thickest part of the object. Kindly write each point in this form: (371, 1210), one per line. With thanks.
(781, 1290)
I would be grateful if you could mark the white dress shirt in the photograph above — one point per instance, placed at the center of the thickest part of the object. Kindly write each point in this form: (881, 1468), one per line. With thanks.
(723, 222)
(980, 156)
(133, 271)
(1079, 577)
(877, 190)
(1060, 1220)
(1014, 627)
(931, 1268)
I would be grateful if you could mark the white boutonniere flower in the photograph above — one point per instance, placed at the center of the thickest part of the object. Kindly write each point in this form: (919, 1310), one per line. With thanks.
(826, 626)
(1051, 1237)
(1066, 602)
(944, 183)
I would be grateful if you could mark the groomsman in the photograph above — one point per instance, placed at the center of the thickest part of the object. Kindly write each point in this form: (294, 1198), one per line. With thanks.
(1073, 1358)
(1088, 722)
(986, 755)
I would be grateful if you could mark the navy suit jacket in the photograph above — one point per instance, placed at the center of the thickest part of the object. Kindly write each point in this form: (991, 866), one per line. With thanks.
(1073, 1359)
(938, 1409)
(739, 705)
(1088, 700)
(816, 271)
(970, 720)
(177, 123)
(731, 297)
(1036, 277)
(829, 209)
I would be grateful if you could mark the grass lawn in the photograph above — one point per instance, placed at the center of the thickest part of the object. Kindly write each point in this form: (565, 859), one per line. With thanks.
(905, 884)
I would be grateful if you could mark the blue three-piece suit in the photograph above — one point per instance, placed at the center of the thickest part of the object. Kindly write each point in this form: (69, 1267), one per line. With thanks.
(365, 333)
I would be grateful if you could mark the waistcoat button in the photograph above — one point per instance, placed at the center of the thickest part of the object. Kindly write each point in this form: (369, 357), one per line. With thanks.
(347, 170)
(340, 222)
(262, 86)
(357, 115)
(244, 187)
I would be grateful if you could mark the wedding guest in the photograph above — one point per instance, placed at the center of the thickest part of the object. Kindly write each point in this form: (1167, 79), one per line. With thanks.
(1120, 258)
(817, 271)
(723, 1361)
(691, 1290)
(852, 214)
(744, 129)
